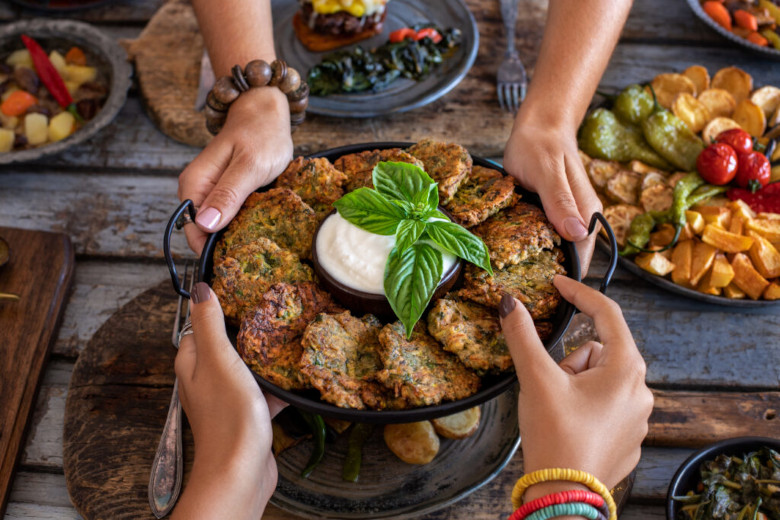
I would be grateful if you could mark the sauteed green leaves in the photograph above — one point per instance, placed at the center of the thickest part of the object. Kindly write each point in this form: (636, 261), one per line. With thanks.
(736, 488)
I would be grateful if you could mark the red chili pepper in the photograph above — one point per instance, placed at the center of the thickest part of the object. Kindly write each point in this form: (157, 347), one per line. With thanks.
(401, 34)
(50, 78)
(428, 32)
(765, 200)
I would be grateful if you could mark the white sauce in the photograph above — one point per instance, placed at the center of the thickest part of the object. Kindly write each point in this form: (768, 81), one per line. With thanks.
(357, 258)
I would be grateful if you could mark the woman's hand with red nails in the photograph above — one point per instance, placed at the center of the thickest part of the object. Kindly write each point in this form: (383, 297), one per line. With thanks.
(250, 151)
(589, 412)
(234, 472)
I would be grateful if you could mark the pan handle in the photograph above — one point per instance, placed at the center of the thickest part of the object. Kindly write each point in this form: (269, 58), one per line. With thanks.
(176, 221)
(613, 248)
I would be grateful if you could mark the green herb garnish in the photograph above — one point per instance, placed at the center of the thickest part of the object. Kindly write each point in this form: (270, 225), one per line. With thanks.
(403, 203)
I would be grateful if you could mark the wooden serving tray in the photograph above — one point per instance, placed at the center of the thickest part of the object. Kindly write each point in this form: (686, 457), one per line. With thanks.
(40, 271)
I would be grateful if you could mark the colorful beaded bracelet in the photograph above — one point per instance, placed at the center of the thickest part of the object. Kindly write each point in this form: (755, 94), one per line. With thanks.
(257, 73)
(562, 497)
(570, 475)
(572, 508)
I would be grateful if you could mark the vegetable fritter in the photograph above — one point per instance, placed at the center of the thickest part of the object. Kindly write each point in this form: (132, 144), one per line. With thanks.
(278, 214)
(316, 181)
(359, 167)
(484, 193)
(270, 337)
(419, 370)
(515, 234)
(472, 332)
(447, 164)
(530, 281)
(245, 273)
(340, 360)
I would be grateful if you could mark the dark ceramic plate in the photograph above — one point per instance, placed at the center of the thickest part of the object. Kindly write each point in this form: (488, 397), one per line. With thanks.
(670, 286)
(688, 476)
(769, 52)
(102, 52)
(310, 400)
(390, 488)
(403, 94)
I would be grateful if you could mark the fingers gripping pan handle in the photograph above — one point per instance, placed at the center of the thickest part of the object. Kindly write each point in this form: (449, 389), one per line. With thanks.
(176, 221)
(613, 248)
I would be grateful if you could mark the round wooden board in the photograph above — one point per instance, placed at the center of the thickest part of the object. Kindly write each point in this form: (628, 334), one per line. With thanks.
(116, 407)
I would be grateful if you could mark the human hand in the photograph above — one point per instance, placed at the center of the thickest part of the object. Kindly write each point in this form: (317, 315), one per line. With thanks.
(250, 151)
(544, 158)
(590, 412)
(234, 472)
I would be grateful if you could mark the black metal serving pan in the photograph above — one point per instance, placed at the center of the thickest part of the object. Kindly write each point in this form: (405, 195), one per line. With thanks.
(491, 385)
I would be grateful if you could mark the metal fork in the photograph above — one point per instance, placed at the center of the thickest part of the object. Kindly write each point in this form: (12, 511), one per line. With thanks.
(167, 468)
(511, 80)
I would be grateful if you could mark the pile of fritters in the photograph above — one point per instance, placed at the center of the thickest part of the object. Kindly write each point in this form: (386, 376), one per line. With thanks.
(294, 335)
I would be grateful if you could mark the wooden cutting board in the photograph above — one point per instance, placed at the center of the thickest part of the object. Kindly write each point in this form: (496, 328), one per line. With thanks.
(40, 271)
(122, 382)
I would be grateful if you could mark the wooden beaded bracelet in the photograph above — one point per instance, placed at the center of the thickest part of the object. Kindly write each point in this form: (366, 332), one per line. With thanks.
(257, 73)
(570, 475)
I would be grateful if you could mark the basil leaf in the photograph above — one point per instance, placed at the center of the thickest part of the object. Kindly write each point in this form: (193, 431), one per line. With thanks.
(458, 241)
(435, 213)
(427, 202)
(411, 277)
(402, 181)
(407, 233)
(369, 210)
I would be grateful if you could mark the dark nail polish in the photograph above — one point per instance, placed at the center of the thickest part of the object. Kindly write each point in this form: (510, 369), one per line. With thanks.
(506, 306)
(200, 292)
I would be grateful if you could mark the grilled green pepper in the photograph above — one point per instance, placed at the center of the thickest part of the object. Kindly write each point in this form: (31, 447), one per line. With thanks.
(357, 437)
(604, 137)
(638, 234)
(633, 105)
(672, 139)
(705, 193)
(317, 425)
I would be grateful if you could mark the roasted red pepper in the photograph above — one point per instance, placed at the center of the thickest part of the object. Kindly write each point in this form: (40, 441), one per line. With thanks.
(765, 200)
(50, 78)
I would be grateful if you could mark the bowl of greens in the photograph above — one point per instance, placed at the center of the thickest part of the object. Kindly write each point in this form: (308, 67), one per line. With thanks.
(736, 478)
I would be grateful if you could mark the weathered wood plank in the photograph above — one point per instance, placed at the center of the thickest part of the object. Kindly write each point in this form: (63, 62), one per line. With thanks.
(668, 20)
(42, 489)
(119, 11)
(99, 290)
(22, 511)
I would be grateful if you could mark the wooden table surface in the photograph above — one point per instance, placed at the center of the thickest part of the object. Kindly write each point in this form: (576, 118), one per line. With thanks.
(113, 194)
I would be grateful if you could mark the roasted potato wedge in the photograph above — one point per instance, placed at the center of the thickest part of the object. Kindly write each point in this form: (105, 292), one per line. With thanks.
(750, 117)
(695, 220)
(699, 76)
(747, 278)
(623, 187)
(657, 198)
(413, 443)
(767, 228)
(655, 263)
(715, 127)
(740, 207)
(682, 254)
(701, 261)
(721, 273)
(619, 217)
(600, 171)
(719, 102)
(706, 287)
(693, 112)
(661, 238)
(732, 291)
(717, 215)
(772, 292)
(768, 98)
(669, 85)
(458, 426)
(718, 237)
(735, 80)
(765, 257)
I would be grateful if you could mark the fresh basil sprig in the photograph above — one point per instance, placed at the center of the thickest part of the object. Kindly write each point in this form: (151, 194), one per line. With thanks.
(404, 203)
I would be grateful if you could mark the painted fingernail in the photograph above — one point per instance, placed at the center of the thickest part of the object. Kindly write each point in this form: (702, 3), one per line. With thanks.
(208, 218)
(200, 292)
(506, 306)
(576, 230)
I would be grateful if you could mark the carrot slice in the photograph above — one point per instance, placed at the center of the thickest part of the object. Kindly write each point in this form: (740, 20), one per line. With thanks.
(17, 103)
(746, 20)
(718, 13)
(75, 56)
(756, 38)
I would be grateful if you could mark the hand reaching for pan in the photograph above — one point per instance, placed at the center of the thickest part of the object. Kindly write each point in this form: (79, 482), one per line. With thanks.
(234, 472)
(589, 412)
